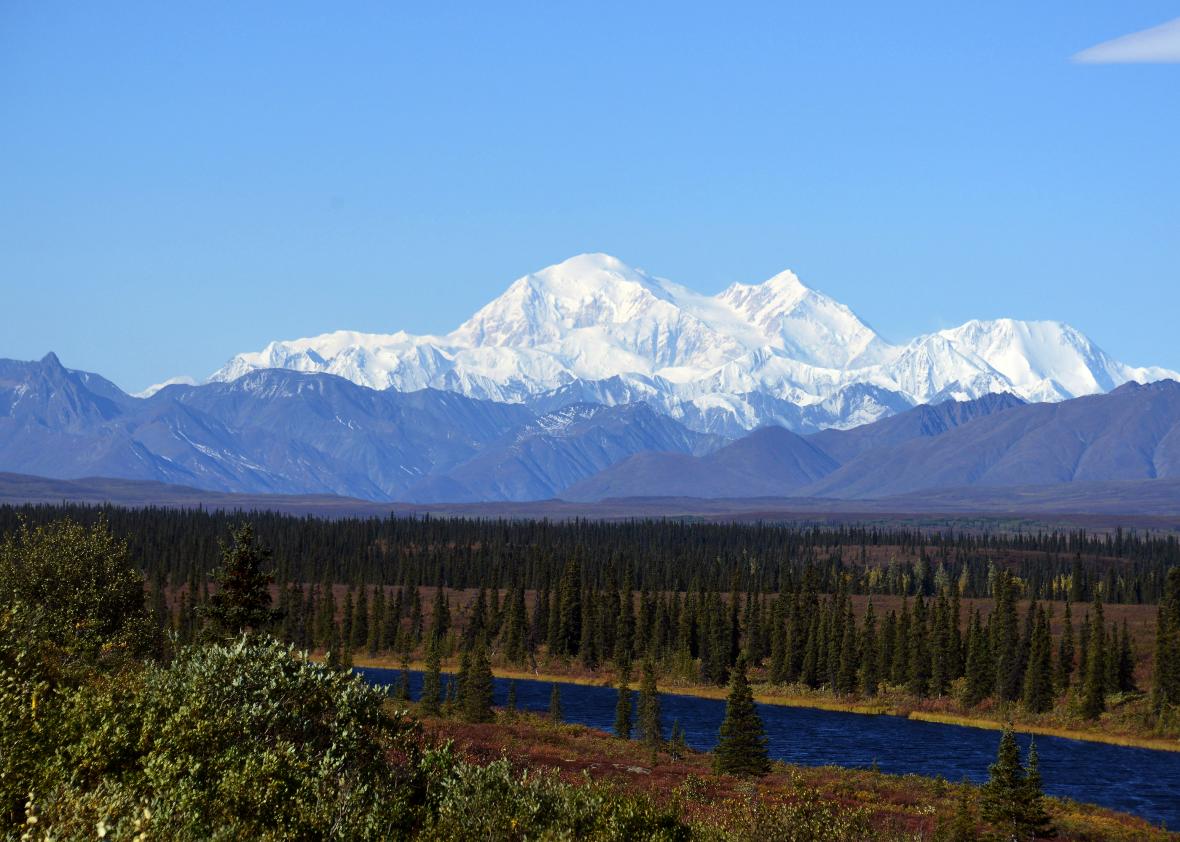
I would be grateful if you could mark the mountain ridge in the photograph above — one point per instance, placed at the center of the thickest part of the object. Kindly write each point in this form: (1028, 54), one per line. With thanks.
(277, 431)
(776, 352)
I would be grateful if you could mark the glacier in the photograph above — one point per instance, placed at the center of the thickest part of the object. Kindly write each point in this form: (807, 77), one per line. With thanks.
(592, 329)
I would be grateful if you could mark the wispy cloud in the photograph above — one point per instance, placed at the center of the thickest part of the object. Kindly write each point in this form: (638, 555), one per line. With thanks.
(1158, 45)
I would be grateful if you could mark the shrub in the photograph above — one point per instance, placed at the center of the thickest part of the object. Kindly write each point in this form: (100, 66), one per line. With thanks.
(76, 600)
(242, 740)
(493, 802)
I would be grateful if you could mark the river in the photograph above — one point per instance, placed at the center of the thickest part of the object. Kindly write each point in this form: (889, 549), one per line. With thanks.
(1134, 780)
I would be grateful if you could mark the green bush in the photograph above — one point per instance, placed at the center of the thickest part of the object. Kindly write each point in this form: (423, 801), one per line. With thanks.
(493, 802)
(244, 740)
(76, 601)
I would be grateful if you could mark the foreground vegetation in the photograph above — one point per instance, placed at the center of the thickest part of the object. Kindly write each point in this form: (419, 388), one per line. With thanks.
(788, 803)
(110, 728)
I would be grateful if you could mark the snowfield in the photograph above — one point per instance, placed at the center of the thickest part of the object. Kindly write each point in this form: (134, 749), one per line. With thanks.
(593, 329)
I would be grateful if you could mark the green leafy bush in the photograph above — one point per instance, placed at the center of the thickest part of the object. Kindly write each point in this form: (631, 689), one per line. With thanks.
(494, 802)
(78, 601)
(244, 740)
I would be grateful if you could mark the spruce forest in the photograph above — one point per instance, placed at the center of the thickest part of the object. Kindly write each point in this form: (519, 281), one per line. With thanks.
(1060, 629)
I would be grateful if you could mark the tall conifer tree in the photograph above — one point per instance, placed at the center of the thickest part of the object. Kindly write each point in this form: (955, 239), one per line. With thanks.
(741, 746)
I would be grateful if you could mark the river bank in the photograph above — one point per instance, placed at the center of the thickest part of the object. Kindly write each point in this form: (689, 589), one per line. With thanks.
(770, 695)
(895, 807)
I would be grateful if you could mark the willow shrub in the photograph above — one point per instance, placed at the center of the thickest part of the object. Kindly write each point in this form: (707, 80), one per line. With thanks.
(236, 741)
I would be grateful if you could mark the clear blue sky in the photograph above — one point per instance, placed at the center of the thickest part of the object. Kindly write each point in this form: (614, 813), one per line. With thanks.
(181, 182)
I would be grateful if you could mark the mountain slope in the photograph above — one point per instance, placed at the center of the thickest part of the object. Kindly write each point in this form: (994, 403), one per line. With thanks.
(1132, 433)
(594, 329)
(284, 432)
(771, 462)
(558, 450)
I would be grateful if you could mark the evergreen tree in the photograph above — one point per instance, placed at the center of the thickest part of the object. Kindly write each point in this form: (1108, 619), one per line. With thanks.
(360, 621)
(1011, 799)
(569, 630)
(1094, 689)
(376, 618)
(919, 667)
(650, 726)
(623, 707)
(242, 599)
(416, 621)
(477, 687)
(431, 701)
(403, 688)
(1038, 676)
(1166, 687)
(511, 705)
(555, 712)
(678, 742)
(625, 628)
(981, 677)
(1036, 820)
(741, 745)
(1065, 652)
(440, 615)
(779, 652)
(869, 655)
(846, 669)
(1005, 638)
(516, 632)
(962, 827)
(347, 615)
(1125, 672)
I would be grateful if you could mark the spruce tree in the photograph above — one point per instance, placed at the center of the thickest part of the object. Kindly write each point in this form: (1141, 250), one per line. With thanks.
(1166, 683)
(1065, 652)
(1011, 799)
(347, 615)
(375, 620)
(1005, 638)
(1094, 689)
(1038, 676)
(242, 599)
(741, 746)
(1126, 662)
(1002, 796)
(678, 742)
(623, 707)
(478, 686)
(440, 615)
(569, 630)
(981, 677)
(869, 654)
(511, 703)
(431, 701)
(555, 712)
(649, 708)
(846, 669)
(1036, 820)
(962, 826)
(359, 639)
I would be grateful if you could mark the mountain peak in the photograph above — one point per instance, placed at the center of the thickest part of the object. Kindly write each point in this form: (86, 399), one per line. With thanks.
(772, 352)
(51, 361)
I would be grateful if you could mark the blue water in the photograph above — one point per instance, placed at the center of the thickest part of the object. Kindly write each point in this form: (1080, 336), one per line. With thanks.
(1134, 780)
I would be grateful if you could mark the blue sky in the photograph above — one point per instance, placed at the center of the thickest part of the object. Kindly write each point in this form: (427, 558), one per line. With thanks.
(181, 182)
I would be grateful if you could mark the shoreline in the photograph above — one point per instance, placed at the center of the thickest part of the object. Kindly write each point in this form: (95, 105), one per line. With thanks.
(832, 705)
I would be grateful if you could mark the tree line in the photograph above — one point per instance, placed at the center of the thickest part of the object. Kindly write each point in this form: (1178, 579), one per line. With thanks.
(175, 547)
(799, 635)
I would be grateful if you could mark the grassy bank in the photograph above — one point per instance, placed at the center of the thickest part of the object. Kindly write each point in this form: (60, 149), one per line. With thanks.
(908, 708)
(891, 807)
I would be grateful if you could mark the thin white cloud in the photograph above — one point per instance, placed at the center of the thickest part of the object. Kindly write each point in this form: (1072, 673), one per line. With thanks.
(1158, 45)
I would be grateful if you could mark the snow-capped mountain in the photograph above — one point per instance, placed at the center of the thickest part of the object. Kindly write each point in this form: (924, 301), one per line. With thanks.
(593, 329)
